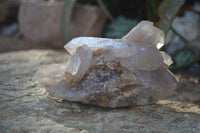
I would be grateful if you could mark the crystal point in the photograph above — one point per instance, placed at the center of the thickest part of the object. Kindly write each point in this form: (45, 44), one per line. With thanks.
(78, 64)
(146, 32)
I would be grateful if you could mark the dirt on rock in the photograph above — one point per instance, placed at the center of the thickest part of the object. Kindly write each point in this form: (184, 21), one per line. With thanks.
(25, 106)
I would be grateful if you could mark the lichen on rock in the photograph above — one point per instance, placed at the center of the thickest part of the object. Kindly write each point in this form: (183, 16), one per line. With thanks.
(113, 72)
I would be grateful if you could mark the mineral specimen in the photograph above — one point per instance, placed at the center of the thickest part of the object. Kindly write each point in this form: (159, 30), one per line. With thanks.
(113, 72)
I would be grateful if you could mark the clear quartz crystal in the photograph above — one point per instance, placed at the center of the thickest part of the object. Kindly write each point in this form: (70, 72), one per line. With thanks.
(94, 43)
(137, 49)
(114, 72)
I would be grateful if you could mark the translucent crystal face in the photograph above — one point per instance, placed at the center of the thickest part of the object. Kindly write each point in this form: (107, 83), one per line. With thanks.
(114, 72)
(146, 32)
(78, 64)
(94, 43)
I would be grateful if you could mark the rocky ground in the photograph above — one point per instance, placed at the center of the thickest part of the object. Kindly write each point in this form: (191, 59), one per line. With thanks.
(25, 106)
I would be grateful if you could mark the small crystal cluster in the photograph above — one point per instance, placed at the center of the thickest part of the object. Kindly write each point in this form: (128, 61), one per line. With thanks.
(113, 72)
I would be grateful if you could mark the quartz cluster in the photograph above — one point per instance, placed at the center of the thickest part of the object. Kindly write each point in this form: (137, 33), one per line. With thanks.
(113, 72)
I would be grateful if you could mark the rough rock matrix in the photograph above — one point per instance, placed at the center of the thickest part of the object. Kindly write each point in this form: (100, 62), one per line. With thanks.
(113, 72)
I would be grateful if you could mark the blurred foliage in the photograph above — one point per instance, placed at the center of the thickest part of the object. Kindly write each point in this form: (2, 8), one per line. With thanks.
(128, 8)
(67, 12)
(120, 28)
(152, 9)
(88, 2)
(109, 6)
(105, 9)
(183, 60)
(167, 12)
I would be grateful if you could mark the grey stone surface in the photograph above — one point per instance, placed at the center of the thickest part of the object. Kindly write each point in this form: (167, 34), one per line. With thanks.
(25, 106)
